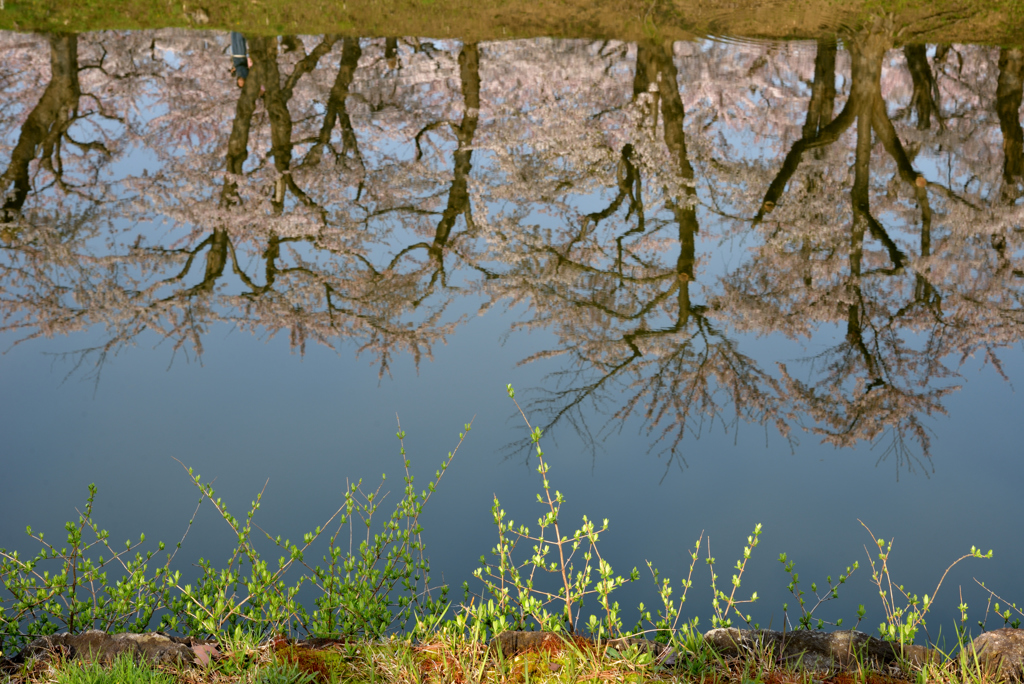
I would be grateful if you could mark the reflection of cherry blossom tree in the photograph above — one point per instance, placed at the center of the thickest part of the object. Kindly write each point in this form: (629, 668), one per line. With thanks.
(876, 380)
(333, 291)
(876, 400)
(458, 203)
(46, 131)
(72, 128)
(57, 190)
(627, 319)
(316, 280)
(46, 126)
(353, 189)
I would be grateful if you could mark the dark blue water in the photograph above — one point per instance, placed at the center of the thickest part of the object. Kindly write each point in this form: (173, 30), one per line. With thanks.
(570, 224)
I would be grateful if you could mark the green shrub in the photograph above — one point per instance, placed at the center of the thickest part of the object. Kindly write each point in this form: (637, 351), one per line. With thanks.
(70, 588)
(378, 581)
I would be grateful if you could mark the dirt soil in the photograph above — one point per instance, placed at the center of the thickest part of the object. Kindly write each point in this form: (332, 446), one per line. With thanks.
(997, 22)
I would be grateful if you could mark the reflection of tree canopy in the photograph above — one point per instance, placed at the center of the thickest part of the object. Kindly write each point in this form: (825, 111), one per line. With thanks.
(287, 239)
(628, 319)
(895, 291)
(353, 189)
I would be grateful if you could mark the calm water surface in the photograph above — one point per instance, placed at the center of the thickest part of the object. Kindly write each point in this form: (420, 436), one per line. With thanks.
(735, 282)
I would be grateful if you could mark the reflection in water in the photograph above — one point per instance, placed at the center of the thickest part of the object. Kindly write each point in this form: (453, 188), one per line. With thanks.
(353, 190)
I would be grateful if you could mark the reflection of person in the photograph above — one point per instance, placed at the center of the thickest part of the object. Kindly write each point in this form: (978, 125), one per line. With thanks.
(240, 61)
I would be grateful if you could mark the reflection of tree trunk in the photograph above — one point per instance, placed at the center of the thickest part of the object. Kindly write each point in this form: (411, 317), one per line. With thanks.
(820, 109)
(216, 259)
(458, 194)
(823, 90)
(264, 54)
(819, 128)
(1009, 89)
(859, 192)
(276, 95)
(46, 124)
(264, 76)
(866, 52)
(867, 68)
(923, 99)
(866, 105)
(238, 152)
(336, 109)
(684, 270)
(854, 330)
(656, 74)
(886, 132)
(923, 289)
(238, 141)
(391, 52)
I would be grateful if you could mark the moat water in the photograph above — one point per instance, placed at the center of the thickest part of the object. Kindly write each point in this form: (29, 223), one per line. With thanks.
(735, 282)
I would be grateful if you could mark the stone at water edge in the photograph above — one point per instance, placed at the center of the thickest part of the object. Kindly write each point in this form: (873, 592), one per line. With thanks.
(1002, 651)
(98, 645)
(198, 16)
(814, 650)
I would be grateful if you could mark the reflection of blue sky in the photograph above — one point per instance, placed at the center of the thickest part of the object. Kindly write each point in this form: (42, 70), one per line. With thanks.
(170, 57)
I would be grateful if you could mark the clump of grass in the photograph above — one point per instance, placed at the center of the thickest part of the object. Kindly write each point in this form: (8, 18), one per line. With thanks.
(286, 672)
(550, 589)
(123, 670)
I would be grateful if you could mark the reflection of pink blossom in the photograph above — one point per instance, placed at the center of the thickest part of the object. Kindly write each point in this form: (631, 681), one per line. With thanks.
(575, 206)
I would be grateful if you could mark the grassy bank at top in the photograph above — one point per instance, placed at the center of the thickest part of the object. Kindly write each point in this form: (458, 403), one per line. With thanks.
(997, 22)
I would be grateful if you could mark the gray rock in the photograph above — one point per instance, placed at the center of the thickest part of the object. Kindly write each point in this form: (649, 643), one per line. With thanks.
(1001, 653)
(100, 646)
(819, 651)
(198, 16)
